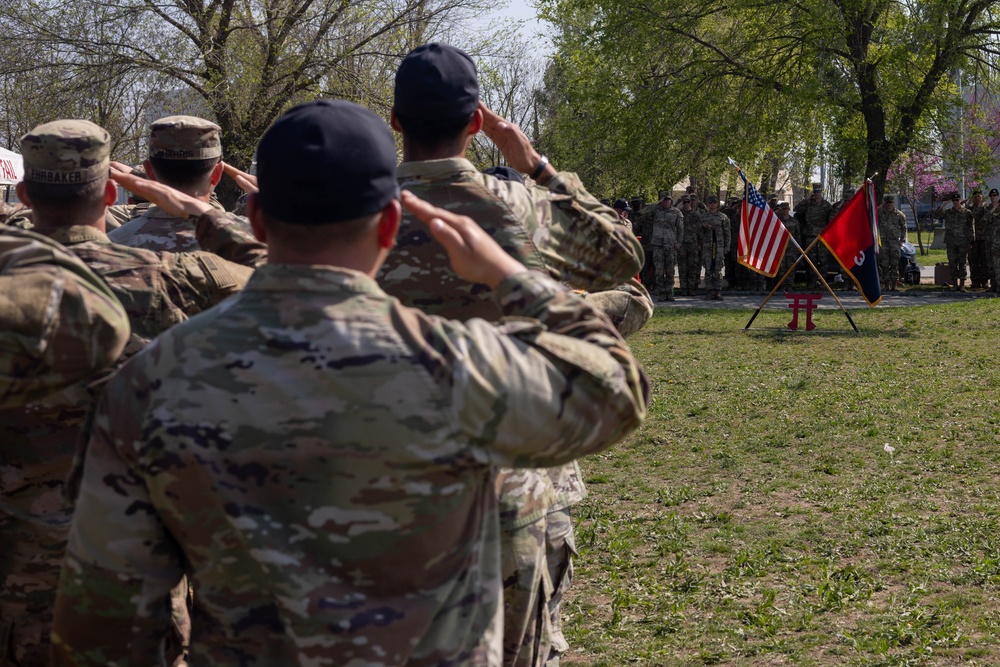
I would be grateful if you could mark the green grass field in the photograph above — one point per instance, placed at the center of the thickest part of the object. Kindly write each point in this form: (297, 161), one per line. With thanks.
(821, 498)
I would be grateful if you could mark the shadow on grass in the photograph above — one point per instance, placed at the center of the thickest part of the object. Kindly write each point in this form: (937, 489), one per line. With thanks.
(782, 334)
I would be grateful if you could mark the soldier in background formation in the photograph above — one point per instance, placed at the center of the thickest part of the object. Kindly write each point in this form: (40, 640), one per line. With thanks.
(714, 240)
(814, 214)
(892, 232)
(185, 153)
(991, 226)
(979, 257)
(783, 210)
(623, 210)
(665, 225)
(689, 257)
(959, 233)
(412, 463)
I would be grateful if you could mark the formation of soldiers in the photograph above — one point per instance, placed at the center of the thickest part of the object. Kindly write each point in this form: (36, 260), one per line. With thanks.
(347, 427)
(972, 237)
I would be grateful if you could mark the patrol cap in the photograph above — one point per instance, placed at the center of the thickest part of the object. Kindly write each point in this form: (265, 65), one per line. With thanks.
(817, 187)
(889, 198)
(326, 161)
(711, 199)
(636, 200)
(733, 200)
(994, 192)
(505, 174)
(977, 191)
(184, 138)
(781, 204)
(664, 194)
(606, 201)
(436, 82)
(66, 152)
(621, 205)
(685, 198)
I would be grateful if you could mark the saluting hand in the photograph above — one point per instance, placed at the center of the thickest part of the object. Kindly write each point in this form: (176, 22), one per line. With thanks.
(171, 201)
(472, 253)
(513, 143)
(247, 182)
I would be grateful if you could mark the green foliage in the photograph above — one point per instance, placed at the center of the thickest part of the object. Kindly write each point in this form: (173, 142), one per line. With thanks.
(640, 93)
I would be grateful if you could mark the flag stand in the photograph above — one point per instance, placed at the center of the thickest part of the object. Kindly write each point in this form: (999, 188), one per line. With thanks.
(804, 256)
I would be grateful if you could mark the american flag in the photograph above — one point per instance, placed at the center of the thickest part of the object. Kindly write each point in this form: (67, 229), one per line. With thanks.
(763, 237)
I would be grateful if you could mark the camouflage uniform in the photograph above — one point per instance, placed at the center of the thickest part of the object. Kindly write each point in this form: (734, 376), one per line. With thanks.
(689, 258)
(958, 234)
(643, 230)
(791, 252)
(314, 374)
(714, 239)
(157, 291)
(59, 324)
(557, 228)
(892, 231)
(979, 252)
(667, 229)
(175, 138)
(813, 217)
(994, 229)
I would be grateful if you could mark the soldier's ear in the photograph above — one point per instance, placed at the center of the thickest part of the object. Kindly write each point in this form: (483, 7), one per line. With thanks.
(255, 215)
(217, 173)
(476, 122)
(394, 121)
(110, 193)
(22, 194)
(388, 224)
(147, 166)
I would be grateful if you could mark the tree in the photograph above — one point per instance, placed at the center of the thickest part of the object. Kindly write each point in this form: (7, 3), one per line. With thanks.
(917, 176)
(867, 74)
(246, 60)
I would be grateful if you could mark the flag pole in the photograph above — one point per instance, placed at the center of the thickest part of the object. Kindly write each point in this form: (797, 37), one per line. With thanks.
(827, 285)
(805, 256)
(780, 282)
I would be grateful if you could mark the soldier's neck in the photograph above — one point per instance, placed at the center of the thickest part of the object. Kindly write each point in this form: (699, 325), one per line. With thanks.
(45, 225)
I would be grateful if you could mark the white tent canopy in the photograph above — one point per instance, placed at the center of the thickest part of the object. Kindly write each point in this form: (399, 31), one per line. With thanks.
(11, 167)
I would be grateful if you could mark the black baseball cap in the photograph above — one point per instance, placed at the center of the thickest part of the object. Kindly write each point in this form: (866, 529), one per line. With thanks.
(326, 161)
(436, 82)
(994, 191)
(955, 196)
(621, 205)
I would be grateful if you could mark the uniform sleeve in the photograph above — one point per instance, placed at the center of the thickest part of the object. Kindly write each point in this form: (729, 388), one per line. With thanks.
(230, 238)
(679, 236)
(552, 384)
(59, 323)
(112, 606)
(196, 281)
(578, 236)
(628, 307)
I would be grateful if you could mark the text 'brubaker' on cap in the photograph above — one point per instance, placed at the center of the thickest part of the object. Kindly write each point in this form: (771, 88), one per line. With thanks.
(66, 152)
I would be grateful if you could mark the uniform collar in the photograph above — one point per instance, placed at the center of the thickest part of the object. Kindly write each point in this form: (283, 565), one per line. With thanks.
(431, 169)
(310, 278)
(77, 234)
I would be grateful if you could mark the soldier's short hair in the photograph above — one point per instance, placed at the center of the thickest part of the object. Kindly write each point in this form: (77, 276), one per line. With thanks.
(183, 174)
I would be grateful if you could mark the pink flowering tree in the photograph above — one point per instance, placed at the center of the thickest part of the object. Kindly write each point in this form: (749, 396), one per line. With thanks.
(918, 175)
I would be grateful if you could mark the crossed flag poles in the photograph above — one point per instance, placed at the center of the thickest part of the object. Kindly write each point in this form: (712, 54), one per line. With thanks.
(852, 237)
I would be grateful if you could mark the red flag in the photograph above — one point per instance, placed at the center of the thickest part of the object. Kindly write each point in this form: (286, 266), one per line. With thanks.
(852, 237)
(763, 237)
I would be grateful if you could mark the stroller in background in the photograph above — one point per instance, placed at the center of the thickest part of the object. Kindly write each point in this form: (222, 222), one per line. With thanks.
(909, 270)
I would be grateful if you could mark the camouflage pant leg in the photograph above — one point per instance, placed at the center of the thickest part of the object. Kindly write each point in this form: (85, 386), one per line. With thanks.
(892, 275)
(713, 270)
(658, 268)
(527, 590)
(647, 273)
(560, 550)
(995, 257)
(957, 253)
(690, 266)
